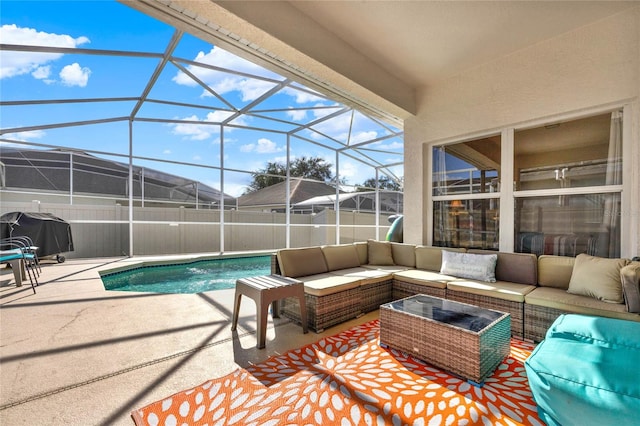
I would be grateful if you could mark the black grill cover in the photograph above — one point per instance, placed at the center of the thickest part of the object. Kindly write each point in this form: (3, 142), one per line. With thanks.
(49, 233)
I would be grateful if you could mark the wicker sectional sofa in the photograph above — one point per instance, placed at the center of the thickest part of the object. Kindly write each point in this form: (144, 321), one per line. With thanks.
(345, 281)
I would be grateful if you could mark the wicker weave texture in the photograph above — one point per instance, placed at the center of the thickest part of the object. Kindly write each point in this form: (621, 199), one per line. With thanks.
(468, 354)
(516, 309)
(325, 311)
(539, 319)
(402, 289)
(375, 294)
(275, 267)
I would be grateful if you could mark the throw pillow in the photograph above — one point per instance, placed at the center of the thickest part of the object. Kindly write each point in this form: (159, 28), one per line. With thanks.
(630, 277)
(404, 254)
(480, 267)
(341, 257)
(379, 253)
(597, 277)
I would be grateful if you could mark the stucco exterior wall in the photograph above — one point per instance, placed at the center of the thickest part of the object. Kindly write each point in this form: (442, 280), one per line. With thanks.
(592, 67)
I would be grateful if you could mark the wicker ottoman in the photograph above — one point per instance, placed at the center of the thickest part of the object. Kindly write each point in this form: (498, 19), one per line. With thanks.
(585, 372)
(463, 339)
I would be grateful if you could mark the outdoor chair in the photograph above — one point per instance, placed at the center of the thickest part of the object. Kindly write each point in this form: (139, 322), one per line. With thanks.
(18, 256)
(28, 246)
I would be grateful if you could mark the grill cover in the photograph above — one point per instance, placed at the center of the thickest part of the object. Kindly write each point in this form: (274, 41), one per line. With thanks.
(49, 233)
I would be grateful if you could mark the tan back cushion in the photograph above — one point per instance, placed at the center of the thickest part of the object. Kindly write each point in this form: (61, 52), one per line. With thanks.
(597, 277)
(404, 254)
(630, 277)
(341, 257)
(555, 271)
(300, 262)
(362, 248)
(521, 268)
(430, 258)
(379, 253)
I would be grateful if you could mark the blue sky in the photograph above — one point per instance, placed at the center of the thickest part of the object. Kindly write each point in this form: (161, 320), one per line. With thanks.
(112, 26)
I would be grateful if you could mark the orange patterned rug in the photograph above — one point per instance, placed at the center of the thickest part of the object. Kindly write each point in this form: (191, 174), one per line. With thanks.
(349, 379)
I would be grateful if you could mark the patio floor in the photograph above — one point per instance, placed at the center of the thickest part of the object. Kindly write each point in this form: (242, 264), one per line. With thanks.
(75, 354)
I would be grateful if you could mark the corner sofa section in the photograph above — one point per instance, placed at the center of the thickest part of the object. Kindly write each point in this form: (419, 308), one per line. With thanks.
(345, 281)
(552, 296)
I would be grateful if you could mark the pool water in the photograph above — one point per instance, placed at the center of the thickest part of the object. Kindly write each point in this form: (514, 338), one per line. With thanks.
(186, 278)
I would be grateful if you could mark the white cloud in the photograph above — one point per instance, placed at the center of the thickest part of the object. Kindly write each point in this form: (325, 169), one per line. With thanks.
(297, 114)
(348, 170)
(340, 126)
(223, 83)
(321, 112)
(42, 73)
(200, 132)
(283, 159)
(194, 132)
(388, 146)
(75, 75)
(25, 136)
(302, 97)
(166, 152)
(19, 63)
(363, 136)
(264, 146)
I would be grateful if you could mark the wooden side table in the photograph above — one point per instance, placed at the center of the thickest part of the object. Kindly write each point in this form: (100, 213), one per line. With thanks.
(268, 290)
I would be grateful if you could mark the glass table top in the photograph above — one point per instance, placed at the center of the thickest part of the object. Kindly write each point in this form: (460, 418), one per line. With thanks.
(461, 315)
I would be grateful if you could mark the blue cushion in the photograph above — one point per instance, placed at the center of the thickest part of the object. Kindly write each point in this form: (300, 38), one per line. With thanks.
(577, 376)
(596, 330)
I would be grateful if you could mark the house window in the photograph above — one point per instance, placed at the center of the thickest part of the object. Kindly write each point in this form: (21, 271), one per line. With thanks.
(466, 194)
(467, 223)
(568, 183)
(578, 153)
(567, 189)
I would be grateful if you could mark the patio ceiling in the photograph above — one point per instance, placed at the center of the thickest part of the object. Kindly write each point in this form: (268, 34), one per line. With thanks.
(378, 54)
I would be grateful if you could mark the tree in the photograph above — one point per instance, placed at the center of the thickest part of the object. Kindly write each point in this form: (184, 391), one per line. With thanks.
(384, 182)
(304, 167)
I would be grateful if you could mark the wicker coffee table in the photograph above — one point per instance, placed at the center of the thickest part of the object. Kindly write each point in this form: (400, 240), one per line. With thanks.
(463, 339)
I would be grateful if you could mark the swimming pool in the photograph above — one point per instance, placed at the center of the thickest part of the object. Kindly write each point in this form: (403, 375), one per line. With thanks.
(188, 277)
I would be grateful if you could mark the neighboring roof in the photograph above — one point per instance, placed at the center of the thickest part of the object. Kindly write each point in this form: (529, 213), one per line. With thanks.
(49, 170)
(390, 201)
(300, 190)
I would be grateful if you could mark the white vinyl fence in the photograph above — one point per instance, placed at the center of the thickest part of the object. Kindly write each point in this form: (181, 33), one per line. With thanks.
(103, 230)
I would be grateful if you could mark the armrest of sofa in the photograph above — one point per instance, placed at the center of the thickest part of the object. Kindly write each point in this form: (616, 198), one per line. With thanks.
(630, 277)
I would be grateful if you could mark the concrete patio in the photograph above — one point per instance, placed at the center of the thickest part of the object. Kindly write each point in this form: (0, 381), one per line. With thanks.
(75, 354)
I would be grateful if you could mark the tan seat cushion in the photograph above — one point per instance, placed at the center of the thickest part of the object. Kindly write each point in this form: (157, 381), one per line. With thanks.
(341, 256)
(429, 278)
(558, 298)
(500, 289)
(379, 253)
(404, 254)
(597, 277)
(387, 268)
(299, 262)
(366, 275)
(325, 284)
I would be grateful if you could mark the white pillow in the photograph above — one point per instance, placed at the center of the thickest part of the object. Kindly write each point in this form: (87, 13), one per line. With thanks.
(480, 267)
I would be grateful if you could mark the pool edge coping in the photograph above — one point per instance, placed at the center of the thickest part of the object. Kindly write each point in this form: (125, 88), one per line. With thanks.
(173, 260)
